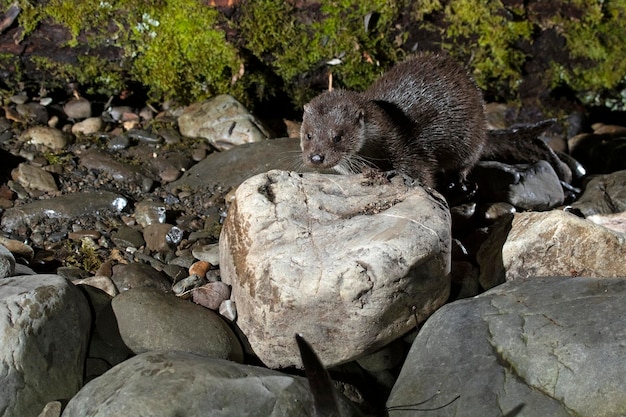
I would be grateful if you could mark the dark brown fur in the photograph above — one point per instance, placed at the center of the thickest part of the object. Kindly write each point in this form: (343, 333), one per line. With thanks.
(424, 116)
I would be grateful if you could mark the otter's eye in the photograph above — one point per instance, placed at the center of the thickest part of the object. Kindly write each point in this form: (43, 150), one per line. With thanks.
(309, 136)
(337, 138)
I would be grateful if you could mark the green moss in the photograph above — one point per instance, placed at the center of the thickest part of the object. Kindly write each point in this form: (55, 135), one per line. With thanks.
(494, 31)
(291, 48)
(180, 51)
(597, 39)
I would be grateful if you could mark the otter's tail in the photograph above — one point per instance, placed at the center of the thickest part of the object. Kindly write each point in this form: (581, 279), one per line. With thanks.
(521, 145)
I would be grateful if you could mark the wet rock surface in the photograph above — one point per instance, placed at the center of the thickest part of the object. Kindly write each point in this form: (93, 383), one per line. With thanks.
(125, 206)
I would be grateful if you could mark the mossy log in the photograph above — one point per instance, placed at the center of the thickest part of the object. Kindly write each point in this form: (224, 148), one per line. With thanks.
(259, 50)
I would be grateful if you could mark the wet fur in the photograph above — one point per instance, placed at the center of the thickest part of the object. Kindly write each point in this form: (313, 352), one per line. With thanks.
(423, 116)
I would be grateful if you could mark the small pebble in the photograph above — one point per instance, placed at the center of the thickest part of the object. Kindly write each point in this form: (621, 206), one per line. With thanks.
(228, 310)
(88, 126)
(78, 108)
(19, 99)
(199, 268)
(211, 295)
(186, 284)
(208, 253)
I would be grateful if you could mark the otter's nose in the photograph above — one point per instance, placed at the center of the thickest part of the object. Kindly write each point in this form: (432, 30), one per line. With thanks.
(316, 158)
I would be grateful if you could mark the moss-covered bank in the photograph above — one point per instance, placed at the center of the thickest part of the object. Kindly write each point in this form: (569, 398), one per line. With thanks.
(186, 50)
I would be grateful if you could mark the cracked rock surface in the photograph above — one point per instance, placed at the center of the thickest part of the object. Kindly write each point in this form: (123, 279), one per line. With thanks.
(365, 261)
(549, 346)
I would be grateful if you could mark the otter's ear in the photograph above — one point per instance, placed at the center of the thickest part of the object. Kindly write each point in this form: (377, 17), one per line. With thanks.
(307, 108)
(361, 117)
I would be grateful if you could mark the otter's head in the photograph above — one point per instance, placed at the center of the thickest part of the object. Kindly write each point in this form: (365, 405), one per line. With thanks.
(332, 131)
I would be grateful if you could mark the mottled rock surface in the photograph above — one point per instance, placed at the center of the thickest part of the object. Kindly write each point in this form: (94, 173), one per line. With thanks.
(172, 384)
(552, 346)
(44, 328)
(549, 244)
(349, 262)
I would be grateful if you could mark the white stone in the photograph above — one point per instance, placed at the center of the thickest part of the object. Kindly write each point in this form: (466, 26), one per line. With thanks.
(45, 136)
(348, 262)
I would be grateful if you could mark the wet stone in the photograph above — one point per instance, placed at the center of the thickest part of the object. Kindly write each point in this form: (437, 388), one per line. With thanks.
(69, 206)
(79, 108)
(119, 142)
(149, 212)
(34, 178)
(208, 253)
(127, 237)
(45, 136)
(88, 126)
(187, 284)
(136, 275)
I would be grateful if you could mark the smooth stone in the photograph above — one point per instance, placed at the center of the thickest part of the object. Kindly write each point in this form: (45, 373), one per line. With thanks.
(88, 126)
(119, 171)
(78, 108)
(616, 221)
(150, 212)
(33, 112)
(223, 121)
(34, 178)
(551, 346)
(45, 136)
(7, 262)
(232, 167)
(170, 384)
(68, 206)
(211, 295)
(44, 330)
(279, 251)
(158, 237)
(150, 320)
(137, 275)
(207, 253)
(554, 243)
(127, 237)
(604, 194)
(530, 187)
(187, 284)
(52, 409)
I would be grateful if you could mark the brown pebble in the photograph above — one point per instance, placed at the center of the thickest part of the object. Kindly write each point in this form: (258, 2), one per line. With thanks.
(199, 268)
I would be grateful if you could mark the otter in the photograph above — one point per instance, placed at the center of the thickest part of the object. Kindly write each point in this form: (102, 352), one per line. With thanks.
(422, 117)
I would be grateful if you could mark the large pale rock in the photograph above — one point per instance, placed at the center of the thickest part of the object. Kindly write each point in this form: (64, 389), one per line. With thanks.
(172, 384)
(549, 244)
(44, 328)
(223, 121)
(347, 261)
(542, 347)
(44, 136)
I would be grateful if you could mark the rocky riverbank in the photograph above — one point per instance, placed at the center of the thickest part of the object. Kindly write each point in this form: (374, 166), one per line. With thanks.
(159, 262)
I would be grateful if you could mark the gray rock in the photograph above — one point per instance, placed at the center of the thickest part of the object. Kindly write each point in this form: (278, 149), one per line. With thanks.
(604, 194)
(67, 206)
(554, 346)
(127, 237)
(7, 262)
(170, 384)
(44, 328)
(223, 121)
(151, 320)
(33, 112)
(120, 171)
(549, 244)
(348, 262)
(78, 108)
(232, 167)
(88, 126)
(137, 275)
(45, 136)
(208, 253)
(530, 187)
(34, 178)
(150, 212)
